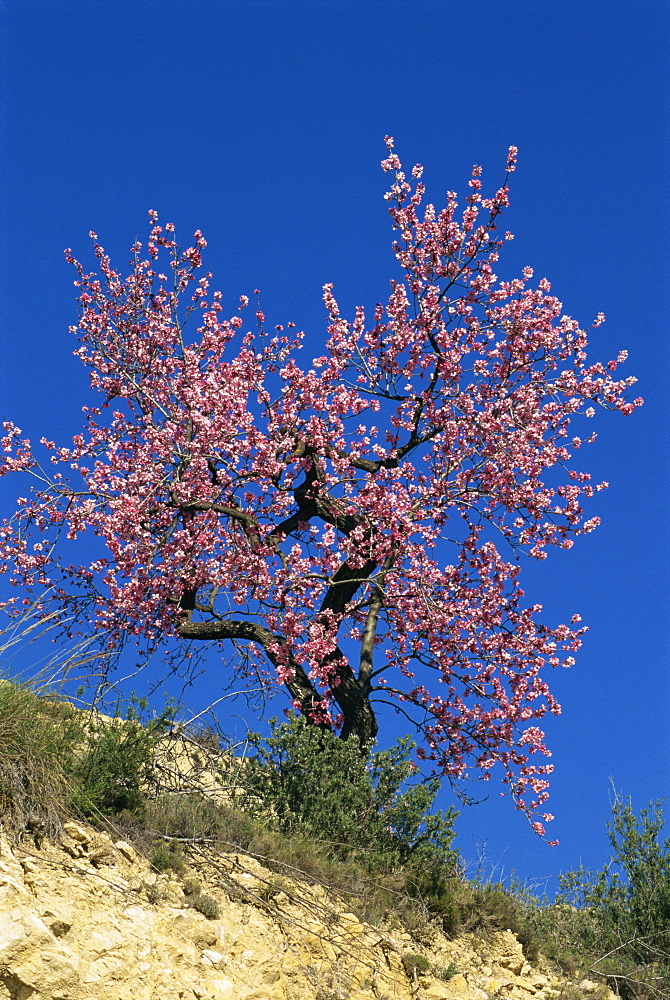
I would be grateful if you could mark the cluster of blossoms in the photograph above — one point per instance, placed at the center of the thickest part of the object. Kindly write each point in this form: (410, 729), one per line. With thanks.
(356, 525)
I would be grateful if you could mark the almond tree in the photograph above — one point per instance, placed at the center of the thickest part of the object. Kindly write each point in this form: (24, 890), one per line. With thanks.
(355, 525)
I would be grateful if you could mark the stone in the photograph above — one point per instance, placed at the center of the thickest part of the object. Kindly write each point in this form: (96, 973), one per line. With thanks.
(82, 930)
(77, 833)
(525, 985)
(456, 988)
(596, 990)
(221, 989)
(210, 957)
(102, 857)
(59, 923)
(126, 850)
(74, 850)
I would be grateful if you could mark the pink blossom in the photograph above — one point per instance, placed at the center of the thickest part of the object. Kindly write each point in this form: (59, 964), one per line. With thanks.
(356, 521)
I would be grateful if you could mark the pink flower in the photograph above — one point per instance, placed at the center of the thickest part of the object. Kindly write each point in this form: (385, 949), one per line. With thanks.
(302, 512)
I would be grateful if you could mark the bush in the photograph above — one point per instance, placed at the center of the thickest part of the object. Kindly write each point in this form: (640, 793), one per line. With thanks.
(306, 780)
(616, 923)
(460, 907)
(39, 738)
(206, 905)
(415, 964)
(628, 927)
(637, 901)
(448, 972)
(191, 887)
(115, 771)
(167, 858)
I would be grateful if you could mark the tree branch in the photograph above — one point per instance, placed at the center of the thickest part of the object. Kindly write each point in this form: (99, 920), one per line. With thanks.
(368, 643)
(274, 646)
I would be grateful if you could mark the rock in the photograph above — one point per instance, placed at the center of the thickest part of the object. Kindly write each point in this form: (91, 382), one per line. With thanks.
(596, 990)
(74, 850)
(102, 856)
(59, 923)
(523, 986)
(210, 957)
(83, 930)
(455, 988)
(35, 960)
(77, 833)
(220, 989)
(126, 850)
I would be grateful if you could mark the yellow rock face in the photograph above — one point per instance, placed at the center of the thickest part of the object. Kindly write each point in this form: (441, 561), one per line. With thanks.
(89, 920)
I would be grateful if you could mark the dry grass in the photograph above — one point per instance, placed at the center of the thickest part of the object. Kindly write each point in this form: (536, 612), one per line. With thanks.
(38, 737)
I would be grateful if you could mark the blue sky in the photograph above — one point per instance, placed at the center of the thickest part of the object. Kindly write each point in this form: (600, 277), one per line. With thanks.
(262, 123)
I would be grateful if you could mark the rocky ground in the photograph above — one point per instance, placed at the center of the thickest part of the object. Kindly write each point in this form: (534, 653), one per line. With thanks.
(88, 919)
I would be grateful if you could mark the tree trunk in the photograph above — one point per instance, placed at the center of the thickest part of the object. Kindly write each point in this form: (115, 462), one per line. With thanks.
(352, 694)
(353, 697)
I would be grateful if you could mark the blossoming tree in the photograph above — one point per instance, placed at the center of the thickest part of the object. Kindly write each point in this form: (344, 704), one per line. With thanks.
(354, 526)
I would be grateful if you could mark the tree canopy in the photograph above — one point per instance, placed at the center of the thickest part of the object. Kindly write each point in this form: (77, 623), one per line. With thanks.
(354, 525)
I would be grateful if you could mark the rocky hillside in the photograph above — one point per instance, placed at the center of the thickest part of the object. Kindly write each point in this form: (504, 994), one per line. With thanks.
(88, 919)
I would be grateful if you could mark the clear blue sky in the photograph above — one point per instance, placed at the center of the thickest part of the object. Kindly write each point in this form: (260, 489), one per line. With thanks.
(262, 123)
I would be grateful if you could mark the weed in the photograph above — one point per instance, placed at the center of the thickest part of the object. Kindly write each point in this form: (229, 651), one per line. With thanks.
(166, 858)
(271, 889)
(206, 905)
(154, 893)
(191, 887)
(414, 965)
(448, 972)
(39, 742)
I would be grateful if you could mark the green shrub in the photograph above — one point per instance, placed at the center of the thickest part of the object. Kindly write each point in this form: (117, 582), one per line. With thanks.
(414, 965)
(191, 887)
(616, 923)
(460, 906)
(155, 894)
(206, 905)
(637, 900)
(115, 771)
(167, 858)
(305, 780)
(38, 742)
(627, 926)
(448, 972)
